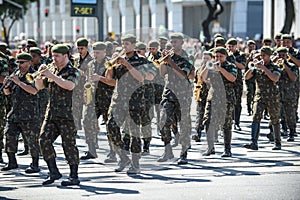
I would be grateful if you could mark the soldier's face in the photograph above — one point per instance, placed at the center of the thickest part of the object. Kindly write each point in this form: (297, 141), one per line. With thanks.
(142, 52)
(177, 44)
(265, 57)
(268, 44)
(163, 43)
(36, 58)
(286, 43)
(153, 50)
(128, 46)
(231, 47)
(206, 58)
(278, 41)
(82, 50)
(282, 55)
(59, 58)
(99, 54)
(23, 65)
(220, 57)
(251, 47)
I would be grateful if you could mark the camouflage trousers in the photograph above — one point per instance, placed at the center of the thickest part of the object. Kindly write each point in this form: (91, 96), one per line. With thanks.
(77, 106)
(50, 130)
(273, 106)
(30, 131)
(90, 124)
(238, 90)
(170, 109)
(117, 115)
(250, 92)
(2, 123)
(200, 114)
(288, 113)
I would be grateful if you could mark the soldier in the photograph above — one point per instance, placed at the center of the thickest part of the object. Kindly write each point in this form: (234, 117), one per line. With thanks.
(277, 40)
(266, 75)
(267, 42)
(250, 83)
(239, 59)
(131, 73)
(288, 93)
(78, 94)
(109, 49)
(23, 115)
(177, 97)
(220, 100)
(162, 42)
(60, 80)
(201, 92)
(104, 89)
(141, 48)
(3, 73)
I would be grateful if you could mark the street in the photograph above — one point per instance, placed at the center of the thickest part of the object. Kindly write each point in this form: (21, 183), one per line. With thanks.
(262, 174)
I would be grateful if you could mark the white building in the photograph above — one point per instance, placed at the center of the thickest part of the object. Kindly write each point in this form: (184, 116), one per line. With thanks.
(240, 18)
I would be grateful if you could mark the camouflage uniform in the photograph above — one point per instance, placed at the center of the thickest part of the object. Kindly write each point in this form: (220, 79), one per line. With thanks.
(59, 119)
(288, 97)
(266, 96)
(239, 57)
(219, 107)
(22, 118)
(78, 94)
(127, 100)
(3, 73)
(250, 86)
(176, 101)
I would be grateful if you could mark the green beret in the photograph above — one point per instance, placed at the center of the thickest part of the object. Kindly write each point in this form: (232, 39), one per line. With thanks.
(3, 46)
(267, 50)
(60, 48)
(219, 40)
(35, 50)
(153, 43)
(140, 46)
(208, 53)
(281, 50)
(267, 40)
(129, 37)
(249, 42)
(109, 45)
(163, 38)
(31, 42)
(231, 41)
(82, 42)
(24, 56)
(286, 36)
(176, 36)
(221, 50)
(218, 35)
(116, 43)
(278, 36)
(69, 45)
(99, 46)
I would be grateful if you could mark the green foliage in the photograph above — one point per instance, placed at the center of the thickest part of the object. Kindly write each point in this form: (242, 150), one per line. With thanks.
(8, 10)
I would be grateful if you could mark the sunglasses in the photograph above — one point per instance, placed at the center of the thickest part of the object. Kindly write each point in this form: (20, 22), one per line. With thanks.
(21, 62)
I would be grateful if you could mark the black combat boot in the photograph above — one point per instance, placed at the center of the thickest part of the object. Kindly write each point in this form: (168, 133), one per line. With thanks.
(53, 172)
(254, 137)
(12, 162)
(227, 144)
(91, 154)
(25, 151)
(183, 157)
(34, 166)
(284, 128)
(249, 108)
(291, 135)
(277, 135)
(1, 159)
(73, 177)
(146, 147)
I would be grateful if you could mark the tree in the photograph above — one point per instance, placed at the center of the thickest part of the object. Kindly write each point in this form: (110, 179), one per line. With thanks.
(9, 14)
(214, 12)
(289, 16)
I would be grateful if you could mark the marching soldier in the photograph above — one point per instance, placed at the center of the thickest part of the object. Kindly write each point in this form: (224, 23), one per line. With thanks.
(288, 92)
(23, 115)
(104, 89)
(239, 59)
(177, 97)
(277, 40)
(128, 98)
(266, 75)
(201, 92)
(60, 80)
(220, 100)
(162, 42)
(81, 64)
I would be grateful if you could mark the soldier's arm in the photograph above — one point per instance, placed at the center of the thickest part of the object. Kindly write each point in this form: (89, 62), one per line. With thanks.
(135, 73)
(229, 76)
(61, 82)
(290, 74)
(204, 74)
(240, 65)
(192, 75)
(249, 74)
(295, 60)
(108, 79)
(182, 74)
(39, 84)
(273, 76)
